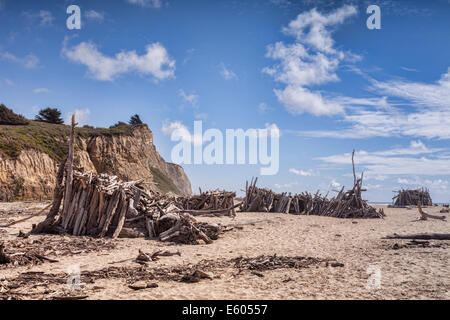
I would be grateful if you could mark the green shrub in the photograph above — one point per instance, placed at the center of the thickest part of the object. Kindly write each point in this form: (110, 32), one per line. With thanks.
(8, 117)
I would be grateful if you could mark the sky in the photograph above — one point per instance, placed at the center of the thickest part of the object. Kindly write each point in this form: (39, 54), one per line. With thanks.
(311, 69)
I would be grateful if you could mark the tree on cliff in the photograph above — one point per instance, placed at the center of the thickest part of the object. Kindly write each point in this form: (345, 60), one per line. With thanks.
(50, 115)
(135, 120)
(8, 117)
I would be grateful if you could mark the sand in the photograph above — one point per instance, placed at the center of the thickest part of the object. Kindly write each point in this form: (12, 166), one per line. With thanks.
(408, 272)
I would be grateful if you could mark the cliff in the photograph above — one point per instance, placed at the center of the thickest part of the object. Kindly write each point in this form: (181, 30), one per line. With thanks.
(30, 154)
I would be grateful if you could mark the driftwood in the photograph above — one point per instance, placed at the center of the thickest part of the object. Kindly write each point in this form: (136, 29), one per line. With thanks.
(69, 175)
(421, 236)
(425, 216)
(102, 205)
(412, 198)
(347, 204)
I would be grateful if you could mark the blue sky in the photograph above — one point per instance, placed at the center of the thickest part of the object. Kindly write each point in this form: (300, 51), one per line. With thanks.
(311, 68)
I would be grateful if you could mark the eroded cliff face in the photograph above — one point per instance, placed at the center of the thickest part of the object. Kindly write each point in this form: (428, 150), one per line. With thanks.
(31, 175)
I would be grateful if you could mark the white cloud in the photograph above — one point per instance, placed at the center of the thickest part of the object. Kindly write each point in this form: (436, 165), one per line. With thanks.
(81, 116)
(311, 60)
(190, 98)
(429, 117)
(45, 17)
(397, 162)
(226, 73)
(169, 127)
(302, 173)
(29, 61)
(311, 27)
(155, 62)
(146, 3)
(298, 100)
(335, 184)
(94, 15)
(41, 90)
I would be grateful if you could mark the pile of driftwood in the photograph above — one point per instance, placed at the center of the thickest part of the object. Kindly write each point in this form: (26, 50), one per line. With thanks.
(102, 205)
(412, 198)
(213, 201)
(347, 204)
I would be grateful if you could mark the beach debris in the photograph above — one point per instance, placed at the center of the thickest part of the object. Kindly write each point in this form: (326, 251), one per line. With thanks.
(421, 236)
(409, 197)
(425, 216)
(263, 262)
(102, 205)
(347, 204)
(139, 285)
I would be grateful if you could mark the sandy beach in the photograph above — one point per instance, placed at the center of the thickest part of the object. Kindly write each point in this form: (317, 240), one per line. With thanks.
(347, 251)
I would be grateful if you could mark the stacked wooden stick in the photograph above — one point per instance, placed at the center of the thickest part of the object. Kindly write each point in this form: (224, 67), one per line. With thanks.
(347, 204)
(102, 205)
(412, 198)
(210, 201)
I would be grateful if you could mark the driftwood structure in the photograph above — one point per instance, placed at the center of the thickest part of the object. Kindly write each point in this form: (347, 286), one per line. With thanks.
(209, 201)
(412, 198)
(102, 205)
(347, 204)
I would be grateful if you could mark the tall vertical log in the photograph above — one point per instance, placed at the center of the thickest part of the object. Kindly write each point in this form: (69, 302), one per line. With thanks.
(69, 175)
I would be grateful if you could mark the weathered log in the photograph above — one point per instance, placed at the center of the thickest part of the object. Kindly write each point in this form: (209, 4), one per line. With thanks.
(421, 236)
(425, 216)
(69, 175)
(122, 215)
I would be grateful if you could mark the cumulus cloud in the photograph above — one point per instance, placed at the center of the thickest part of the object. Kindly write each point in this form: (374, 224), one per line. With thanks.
(311, 60)
(81, 116)
(155, 62)
(226, 73)
(168, 128)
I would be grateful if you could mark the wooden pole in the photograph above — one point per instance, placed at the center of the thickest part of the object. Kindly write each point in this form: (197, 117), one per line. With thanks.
(69, 174)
